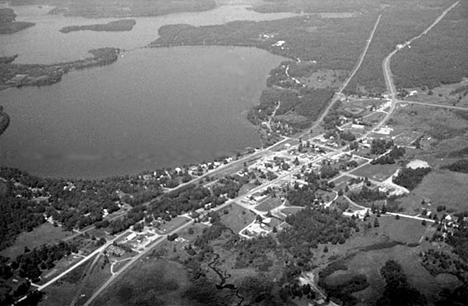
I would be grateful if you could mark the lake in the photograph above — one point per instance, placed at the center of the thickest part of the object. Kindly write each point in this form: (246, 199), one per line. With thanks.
(152, 108)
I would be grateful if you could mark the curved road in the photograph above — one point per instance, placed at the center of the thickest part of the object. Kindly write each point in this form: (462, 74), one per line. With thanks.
(388, 72)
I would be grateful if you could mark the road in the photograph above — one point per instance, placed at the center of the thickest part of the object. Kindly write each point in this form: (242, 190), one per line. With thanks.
(388, 72)
(98, 250)
(433, 105)
(337, 95)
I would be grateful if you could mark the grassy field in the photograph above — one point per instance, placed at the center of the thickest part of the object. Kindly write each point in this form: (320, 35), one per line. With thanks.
(268, 204)
(445, 187)
(368, 250)
(290, 210)
(151, 282)
(404, 230)
(441, 95)
(63, 291)
(169, 226)
(94, 278)
(237, 217)
(43, 234)
(439, 187)
(438, 123)
(370, 262)
(377, 172)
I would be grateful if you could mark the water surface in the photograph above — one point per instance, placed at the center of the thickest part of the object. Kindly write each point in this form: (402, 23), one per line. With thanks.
(152, 108)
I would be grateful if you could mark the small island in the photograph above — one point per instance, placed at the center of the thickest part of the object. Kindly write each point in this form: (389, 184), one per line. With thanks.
(8, 23)
(113, 26)
(4, 120)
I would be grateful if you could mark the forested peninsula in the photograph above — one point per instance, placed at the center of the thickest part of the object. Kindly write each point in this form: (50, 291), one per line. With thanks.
(4, 120)
(19, 75)
(135, 8)
(8, 23)
(113, 26)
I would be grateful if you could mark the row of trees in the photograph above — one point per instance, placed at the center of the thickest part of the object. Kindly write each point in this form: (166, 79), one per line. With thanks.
(389, 158)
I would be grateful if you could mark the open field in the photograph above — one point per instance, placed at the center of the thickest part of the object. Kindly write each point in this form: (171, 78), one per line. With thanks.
(367, 251)
(438, 123)
(168, 226)
(441, 187)
(370, 262)
(324, 79)
(58, 294)
(377, 172)
(237, 217)
(290, 210)
(404, 230)
(192, 232)
(94, 278)
(43, 234)
(63, 291)
(151, 282)
(268, 204)
(442, 95)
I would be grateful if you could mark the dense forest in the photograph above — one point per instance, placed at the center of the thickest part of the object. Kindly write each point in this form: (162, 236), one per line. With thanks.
(437, 58)
(397, 25)
(344, 37)
(410, 178)
(316, 6)
(107, 8)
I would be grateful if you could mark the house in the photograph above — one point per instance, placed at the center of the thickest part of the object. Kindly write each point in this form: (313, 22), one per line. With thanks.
(279, 43)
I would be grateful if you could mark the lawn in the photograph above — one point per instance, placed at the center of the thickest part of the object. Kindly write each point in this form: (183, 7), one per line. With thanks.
(377, 172)
(237, 217)
(268, 204)
(43, 234)
(290, 210)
